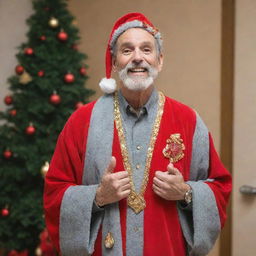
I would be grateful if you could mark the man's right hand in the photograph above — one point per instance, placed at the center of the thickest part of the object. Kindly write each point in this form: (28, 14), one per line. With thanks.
(113, 186)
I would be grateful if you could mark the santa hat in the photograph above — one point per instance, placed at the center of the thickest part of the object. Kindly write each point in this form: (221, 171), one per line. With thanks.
(130, 20)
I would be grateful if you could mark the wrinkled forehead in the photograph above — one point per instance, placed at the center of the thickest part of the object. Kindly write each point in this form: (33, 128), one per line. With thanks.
(136, 36)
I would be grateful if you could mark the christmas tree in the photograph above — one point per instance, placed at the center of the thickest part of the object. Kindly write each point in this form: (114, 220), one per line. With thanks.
(47, 86)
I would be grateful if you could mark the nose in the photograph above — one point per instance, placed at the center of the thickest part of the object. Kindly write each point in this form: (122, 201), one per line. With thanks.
(137, 57)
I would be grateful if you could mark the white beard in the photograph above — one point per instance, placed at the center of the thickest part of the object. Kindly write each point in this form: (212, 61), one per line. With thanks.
(138, 83)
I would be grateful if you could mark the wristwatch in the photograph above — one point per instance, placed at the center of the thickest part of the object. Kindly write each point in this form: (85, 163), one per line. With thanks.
(188, 196)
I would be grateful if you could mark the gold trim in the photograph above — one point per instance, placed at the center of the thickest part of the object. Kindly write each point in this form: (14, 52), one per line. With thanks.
(136, 200)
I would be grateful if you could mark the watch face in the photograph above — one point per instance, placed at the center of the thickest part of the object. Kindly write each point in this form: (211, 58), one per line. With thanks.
(188, 196)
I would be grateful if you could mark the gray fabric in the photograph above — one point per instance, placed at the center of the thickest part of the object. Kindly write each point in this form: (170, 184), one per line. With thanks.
(200, 151)
(100, 140)
(98, 154)
(134, 233)
(79, 223)
(206, 220)
(137, 130)
(200, 226)
(78, 230)
(111, 223)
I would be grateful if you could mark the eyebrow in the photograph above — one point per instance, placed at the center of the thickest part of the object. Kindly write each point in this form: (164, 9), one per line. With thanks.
(128, 44)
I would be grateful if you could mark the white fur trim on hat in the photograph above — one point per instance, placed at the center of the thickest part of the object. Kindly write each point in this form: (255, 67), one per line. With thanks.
(108, 85)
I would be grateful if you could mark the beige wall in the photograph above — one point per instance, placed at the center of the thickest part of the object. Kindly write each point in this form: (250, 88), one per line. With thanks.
(12, 30)
(244, 207)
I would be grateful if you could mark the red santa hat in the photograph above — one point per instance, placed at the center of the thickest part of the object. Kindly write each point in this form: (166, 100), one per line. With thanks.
(130, 20)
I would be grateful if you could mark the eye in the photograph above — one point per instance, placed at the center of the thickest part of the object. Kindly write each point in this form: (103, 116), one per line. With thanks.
(126, 51)
(147, 50)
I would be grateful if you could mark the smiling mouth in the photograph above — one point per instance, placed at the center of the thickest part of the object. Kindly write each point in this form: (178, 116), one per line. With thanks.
(137, 70)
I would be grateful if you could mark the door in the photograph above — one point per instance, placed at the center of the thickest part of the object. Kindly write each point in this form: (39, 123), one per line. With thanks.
(244, 157)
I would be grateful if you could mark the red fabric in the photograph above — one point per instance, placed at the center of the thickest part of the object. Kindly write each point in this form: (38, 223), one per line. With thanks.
(97, 246)
(222, 185)
(123, 203)
(66, 168)
(162, 230)
(46, 245)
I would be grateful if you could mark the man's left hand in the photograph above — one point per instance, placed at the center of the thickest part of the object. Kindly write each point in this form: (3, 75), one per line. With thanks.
(170, 185)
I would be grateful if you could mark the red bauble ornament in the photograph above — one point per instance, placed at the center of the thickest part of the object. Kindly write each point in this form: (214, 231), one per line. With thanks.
(63, 36)
(19, 69)
(7, 154)
(8, 100)
(40, 73)
(82, 71)
(13, 112)
(30, 130)
(69, 78)
(29, 51)
(55, 99)
(5, 212)
(43, 38)
(79, 105)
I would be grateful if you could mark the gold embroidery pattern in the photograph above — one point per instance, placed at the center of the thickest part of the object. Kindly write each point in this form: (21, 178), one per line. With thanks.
(136, 200)
(174, 148)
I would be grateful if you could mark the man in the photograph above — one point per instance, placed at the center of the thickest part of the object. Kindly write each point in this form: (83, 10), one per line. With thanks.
(135, 173)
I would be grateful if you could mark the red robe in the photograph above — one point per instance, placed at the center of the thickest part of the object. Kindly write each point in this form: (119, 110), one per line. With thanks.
(162, 230)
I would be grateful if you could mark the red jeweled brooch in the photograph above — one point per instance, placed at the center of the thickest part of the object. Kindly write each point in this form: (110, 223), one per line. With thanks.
(174, 148)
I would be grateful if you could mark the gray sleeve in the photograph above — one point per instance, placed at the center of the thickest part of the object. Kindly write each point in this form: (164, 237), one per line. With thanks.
(201, 225)
(79, 225)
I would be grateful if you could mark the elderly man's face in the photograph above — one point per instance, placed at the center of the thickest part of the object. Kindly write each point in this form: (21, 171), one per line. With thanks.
(137, 60)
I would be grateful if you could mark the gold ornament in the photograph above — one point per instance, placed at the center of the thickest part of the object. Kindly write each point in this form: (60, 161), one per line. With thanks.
(136, 202)
(174, 148)
(38, 251)
(45, 168)
(53, 22)
(109, 241)
(25, 78)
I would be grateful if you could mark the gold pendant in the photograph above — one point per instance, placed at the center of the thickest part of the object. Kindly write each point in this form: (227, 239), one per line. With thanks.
(174, 148)
(136, 202)
(109, 241)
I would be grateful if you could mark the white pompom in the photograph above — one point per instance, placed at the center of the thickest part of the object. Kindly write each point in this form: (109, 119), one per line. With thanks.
(108, 85)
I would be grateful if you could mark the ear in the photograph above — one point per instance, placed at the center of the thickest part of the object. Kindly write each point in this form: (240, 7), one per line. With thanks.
(114, 66)
(160, 62)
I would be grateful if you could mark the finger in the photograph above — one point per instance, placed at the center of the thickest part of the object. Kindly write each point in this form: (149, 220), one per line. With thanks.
(125, 193)
(126, 187)
(157, 190)
(159, 183)
(120, 175)
(112, 165)
(172, 170)
(170, 165)
(124, 181)
(161, 175)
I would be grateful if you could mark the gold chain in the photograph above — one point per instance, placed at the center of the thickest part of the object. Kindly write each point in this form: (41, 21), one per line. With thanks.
(136, 200)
